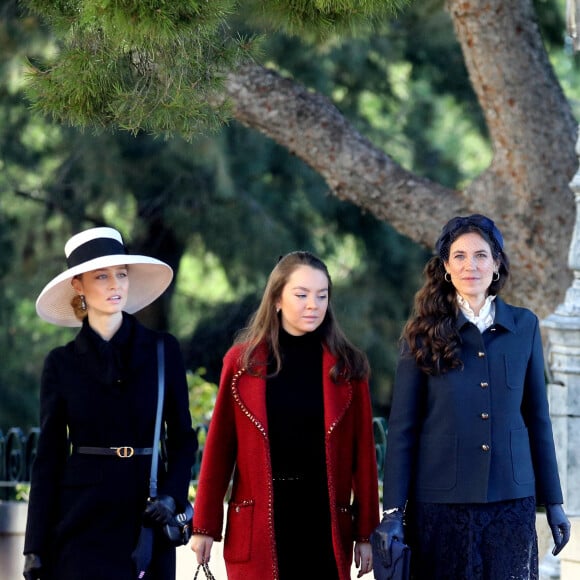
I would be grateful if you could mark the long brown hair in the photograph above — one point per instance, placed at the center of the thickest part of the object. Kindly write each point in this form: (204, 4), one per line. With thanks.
(264, 325)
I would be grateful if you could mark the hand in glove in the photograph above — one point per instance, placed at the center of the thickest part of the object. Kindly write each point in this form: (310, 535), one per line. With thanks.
(391, 527)
(32, 567)
(160, 510)
(560, 526)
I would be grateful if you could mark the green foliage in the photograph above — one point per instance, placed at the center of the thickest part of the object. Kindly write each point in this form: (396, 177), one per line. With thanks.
(158, 66)
(145, 23)
(21, 491)
(320, 19)
(202, 396)
(566, 63)
(139, 66)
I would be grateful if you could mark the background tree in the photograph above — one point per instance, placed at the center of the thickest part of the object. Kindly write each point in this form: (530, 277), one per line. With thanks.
(528, 119)
(169, 198)
(224, 205)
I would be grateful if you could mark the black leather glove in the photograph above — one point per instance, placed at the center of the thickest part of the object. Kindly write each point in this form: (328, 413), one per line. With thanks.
(560, 526)
(160, 510)
(391, 527)
(32, 567)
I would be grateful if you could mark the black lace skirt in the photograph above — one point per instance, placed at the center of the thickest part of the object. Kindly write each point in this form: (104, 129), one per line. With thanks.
(493, 541)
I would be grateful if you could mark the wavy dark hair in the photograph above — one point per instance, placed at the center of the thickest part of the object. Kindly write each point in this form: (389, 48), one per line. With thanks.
(264, 325)
(431, 333)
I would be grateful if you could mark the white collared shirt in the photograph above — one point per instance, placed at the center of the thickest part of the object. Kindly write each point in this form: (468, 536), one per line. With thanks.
(486, 315)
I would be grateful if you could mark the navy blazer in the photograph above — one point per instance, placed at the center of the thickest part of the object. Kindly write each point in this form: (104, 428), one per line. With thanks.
(476, 434)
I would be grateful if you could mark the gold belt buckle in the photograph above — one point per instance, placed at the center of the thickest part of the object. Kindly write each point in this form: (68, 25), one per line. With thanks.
(124, 452)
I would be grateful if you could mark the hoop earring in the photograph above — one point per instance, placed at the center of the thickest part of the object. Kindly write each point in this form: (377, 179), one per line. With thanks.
(83, 303)
(495, 277)
(447, 277)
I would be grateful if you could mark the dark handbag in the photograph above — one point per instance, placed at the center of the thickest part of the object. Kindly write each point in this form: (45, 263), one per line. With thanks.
(178, 531)
(397, 564)
(206, 571)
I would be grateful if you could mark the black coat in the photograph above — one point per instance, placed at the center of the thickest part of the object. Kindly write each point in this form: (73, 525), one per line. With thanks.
(85, 511)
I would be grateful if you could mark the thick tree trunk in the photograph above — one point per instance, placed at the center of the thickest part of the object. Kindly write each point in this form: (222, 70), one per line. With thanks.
(530, 124)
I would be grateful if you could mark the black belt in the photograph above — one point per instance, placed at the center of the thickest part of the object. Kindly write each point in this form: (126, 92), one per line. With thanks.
(123, 452)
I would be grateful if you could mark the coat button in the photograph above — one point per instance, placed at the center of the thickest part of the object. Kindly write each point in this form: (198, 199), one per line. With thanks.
(480, 354)
(485, 447)
(485, 416)
(484, 385)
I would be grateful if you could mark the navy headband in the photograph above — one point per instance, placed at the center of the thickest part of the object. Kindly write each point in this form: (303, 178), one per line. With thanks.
(96, 248)
(457, 225)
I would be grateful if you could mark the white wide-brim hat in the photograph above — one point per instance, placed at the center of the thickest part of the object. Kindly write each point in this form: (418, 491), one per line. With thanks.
(94, 249)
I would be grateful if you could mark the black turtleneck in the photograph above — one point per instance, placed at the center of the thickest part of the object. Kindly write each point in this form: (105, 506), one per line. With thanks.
(295, 408)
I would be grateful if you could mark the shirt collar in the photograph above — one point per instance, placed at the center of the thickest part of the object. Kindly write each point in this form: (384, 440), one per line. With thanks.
(486, 315)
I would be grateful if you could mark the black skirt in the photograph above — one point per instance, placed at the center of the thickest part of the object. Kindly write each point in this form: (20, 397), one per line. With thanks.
(492, 541)
(302, 518)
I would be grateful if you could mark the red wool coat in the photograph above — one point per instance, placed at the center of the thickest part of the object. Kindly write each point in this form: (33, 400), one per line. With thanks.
(238, 442)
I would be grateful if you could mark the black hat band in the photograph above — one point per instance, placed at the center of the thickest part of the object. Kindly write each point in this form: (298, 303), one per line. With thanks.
(95, 249)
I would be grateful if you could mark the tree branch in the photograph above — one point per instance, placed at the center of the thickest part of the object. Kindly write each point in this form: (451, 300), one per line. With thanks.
(313, 129)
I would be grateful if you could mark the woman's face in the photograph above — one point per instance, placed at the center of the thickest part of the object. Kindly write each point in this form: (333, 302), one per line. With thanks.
(471, 267)
(105, 290)
(304, 300)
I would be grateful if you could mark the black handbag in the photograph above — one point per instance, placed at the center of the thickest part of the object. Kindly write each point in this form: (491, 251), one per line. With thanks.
(178, 531)
(397, 564)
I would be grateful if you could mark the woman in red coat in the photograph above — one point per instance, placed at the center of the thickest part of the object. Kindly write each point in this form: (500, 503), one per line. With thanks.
(293, 422)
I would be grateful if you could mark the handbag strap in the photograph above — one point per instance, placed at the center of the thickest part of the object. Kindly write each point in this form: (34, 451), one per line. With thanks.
(206, 571)
(160, 393)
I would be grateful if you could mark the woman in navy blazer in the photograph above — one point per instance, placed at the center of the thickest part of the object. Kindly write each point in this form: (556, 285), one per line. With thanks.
(470, 450)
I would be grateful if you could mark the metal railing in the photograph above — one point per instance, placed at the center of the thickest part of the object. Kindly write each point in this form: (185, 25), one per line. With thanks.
(18, 450)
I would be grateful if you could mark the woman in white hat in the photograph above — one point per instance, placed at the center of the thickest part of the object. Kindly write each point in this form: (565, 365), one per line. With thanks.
(98, 403)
